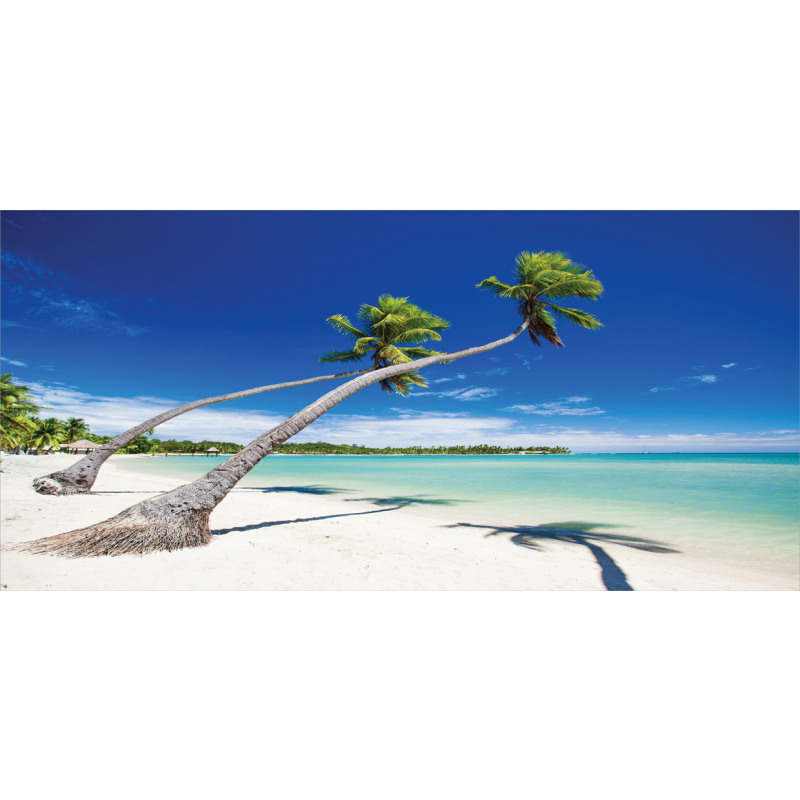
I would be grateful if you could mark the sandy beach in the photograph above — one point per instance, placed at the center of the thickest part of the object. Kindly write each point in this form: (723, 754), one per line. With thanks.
(293, 540)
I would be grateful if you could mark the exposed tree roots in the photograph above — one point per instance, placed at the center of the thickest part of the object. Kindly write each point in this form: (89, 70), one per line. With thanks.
(134, 531)
(54, 484)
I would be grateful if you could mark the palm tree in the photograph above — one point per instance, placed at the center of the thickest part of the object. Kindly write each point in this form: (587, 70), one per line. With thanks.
(179, 518)
(393, 327)
(17, 411)
(48, 432)
(391, 333)
(75, 428)
(541, 276)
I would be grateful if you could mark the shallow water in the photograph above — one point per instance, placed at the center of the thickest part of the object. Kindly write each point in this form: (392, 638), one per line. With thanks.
(735, 509)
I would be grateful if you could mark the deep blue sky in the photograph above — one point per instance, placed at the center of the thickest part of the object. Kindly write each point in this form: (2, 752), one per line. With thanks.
(110, 314)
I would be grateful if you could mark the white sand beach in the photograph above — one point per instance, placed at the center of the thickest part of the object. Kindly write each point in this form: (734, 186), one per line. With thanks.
(291, 540)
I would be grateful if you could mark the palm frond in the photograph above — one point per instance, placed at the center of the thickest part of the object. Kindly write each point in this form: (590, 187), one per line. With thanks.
(555, 283)
(496, 287)
(393, 354)
(419, 352)
(420, 335)
(343, 325)
(342, 355)
(576, 316)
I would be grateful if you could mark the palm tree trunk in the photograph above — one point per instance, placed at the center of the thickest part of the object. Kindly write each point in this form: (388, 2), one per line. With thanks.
(80, 477)
(179, 518)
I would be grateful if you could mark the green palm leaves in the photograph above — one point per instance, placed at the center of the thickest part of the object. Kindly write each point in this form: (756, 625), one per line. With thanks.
(541, 277)
(49, 432)
(75, 428)
(16, 412)
(391, 332)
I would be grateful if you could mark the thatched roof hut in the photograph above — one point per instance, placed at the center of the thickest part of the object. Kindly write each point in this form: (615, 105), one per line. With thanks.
(212, 451)
(81, 444)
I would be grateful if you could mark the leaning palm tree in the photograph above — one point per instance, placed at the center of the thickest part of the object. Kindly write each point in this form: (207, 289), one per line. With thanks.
(17, 412)
(179, 518)
(390, 333)
(396, 328)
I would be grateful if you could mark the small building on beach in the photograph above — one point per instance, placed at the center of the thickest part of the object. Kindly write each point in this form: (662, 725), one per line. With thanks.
(81, 446)
(212, 451)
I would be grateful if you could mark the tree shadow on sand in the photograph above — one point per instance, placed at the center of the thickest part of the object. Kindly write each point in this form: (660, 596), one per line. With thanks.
(583, 533)
(299, 489)
(402, 501)
(390, 503)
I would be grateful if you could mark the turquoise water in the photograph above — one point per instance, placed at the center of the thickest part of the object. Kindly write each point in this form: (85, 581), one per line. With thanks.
(737, 509)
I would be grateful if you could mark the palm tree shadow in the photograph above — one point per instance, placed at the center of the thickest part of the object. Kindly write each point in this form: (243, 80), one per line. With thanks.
(258, 525)
(583, 533)
(388, 503)
(320, 490)
(403, 501)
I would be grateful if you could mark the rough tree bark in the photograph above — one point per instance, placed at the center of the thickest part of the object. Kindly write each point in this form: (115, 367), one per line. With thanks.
(80, 477)
(179, 518)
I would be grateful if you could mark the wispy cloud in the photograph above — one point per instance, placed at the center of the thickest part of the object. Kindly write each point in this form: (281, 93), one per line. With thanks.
(684, 382)
(460, 377)
(526, 361)
(467, 393)
(567, 406)
(496, 371)
(728, 366)
(12, 362)
(47, 297)
(10, 221)
(74, 312)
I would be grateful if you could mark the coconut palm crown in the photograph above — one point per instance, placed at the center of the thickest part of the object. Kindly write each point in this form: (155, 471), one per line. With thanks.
(540, 277)
(391, 332)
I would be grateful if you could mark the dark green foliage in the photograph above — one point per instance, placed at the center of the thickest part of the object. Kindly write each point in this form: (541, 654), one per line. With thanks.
(323, 448)
(390, 333)
(541, 277)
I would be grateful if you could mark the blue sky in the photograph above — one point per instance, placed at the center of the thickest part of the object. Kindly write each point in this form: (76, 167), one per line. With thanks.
(113, 315)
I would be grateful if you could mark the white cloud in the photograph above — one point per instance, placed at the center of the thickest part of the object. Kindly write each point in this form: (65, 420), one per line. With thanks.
(12, 362)
(525, 361)
(728, 366)
(460, 377)
(469, 393)
(684, 381)
(567, 406)
(399, 426)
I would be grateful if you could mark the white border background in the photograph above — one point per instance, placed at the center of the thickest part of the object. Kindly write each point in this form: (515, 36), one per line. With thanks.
(434, 105)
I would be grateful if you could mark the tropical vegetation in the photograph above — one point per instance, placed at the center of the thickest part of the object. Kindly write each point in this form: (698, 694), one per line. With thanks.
(324, 448)
(17, 413)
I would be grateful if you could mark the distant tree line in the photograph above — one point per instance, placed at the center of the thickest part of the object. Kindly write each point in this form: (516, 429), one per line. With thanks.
(324, 448)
